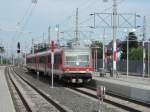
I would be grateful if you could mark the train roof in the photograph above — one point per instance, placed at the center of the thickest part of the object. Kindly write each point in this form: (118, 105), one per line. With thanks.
(67, 49)
(43, 53)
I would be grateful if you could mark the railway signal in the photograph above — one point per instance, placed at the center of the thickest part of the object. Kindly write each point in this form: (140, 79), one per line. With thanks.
(101, 95)
(52, 47)
(18, 47)
(18, 52)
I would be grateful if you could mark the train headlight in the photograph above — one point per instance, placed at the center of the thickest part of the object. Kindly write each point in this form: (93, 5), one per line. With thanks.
(87, 70)
(73, 80)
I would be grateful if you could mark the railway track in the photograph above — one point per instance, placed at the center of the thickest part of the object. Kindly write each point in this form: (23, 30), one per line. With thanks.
(19, 101)
(128, 105)
(141, 103)
(33, 99)
(74, 101)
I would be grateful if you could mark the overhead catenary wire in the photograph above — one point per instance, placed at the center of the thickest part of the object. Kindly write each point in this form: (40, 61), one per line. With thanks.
(24, 21)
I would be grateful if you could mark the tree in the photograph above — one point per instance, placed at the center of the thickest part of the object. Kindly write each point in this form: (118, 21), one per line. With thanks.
(133, 43)
(136, 54)
(97, 45)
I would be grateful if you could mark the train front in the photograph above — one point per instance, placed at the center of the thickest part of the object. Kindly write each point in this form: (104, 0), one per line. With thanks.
(77, 66)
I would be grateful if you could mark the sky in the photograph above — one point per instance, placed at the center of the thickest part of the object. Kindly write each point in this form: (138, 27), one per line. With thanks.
(22, 20)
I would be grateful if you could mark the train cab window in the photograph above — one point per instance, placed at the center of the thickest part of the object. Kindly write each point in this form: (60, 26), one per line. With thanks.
(77, 59)
(42, 59)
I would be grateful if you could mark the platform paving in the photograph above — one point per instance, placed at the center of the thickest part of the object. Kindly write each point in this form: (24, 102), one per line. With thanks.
(134, 87)
(124, 79)
(6, 103)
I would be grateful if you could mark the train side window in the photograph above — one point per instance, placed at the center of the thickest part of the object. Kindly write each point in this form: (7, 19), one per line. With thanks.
(34, 59)
(49, 58)
(57, 59)
(41, 59)
(60, 59)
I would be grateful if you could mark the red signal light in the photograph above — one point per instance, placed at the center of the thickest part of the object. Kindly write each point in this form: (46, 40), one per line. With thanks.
(52, 47)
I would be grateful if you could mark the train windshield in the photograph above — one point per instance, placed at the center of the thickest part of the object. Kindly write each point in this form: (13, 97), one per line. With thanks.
(76, 59)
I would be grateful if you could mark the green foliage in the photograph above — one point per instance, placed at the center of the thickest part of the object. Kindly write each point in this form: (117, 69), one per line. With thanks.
(133, 43)
(136, 54)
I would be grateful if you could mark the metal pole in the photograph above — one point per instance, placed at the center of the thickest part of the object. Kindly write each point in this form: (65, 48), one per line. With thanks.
(12, 59)
(49, 34)
(144, 36)
(104, 49)
(94, 21)
(148, 58)
(18, 60)
(1, 59)
(127, 55)
(52, 62)
(25, 59)
(77, 29)
(58, 42)
(32, 46)
(96, 59)
(114, 36)
(135, 21)
(99, 110)
(143, 60)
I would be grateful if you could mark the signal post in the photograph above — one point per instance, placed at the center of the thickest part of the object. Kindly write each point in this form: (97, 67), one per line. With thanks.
(18, 52)
(52, 47)
(101, 95)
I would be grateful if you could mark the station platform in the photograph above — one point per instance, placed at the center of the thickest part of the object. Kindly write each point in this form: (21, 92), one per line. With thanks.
(134, 87)
(6, 103)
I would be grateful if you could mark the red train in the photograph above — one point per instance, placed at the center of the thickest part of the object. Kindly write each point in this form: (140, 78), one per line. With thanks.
(70, 64)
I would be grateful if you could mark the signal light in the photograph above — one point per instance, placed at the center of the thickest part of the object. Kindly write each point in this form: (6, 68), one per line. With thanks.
(18, 47)
(52, 47)
(18, 51)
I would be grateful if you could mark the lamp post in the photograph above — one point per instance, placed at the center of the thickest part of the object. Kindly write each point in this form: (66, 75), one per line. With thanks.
(58, 36)
(130, 30)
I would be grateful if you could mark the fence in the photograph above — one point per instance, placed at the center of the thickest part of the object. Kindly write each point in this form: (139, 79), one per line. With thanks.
(135, 66)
